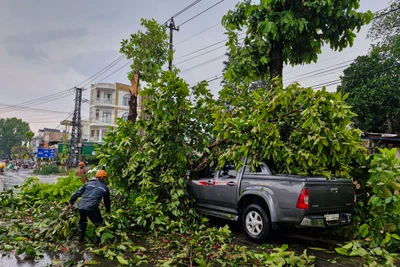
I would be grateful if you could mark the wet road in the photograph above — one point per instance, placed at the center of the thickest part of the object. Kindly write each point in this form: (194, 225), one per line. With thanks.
(13, 178)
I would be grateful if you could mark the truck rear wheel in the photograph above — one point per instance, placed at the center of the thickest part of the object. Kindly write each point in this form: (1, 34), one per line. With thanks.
(255, 223)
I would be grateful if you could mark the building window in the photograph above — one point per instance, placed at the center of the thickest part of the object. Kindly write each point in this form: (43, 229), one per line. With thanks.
(92, 133)
(97, 114)
(108, 98)
(107, 116)
(104, 133)
(125, 116)
(98, 96)
(125, 100)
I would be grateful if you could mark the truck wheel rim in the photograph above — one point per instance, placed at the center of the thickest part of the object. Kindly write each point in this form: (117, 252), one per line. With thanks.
(254, 223)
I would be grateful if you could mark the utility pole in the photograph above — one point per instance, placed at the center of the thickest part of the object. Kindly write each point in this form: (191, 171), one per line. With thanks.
(76, 134)
(172, 28)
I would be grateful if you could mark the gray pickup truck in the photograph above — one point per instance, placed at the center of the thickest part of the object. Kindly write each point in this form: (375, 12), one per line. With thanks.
(263, 200)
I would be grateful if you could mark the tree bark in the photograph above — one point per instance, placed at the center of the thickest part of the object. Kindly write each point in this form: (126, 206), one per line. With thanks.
(133, 100)
(389, 124)
(276, 55)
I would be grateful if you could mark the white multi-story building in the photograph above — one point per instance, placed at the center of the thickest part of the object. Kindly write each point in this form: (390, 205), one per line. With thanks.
(108, 102)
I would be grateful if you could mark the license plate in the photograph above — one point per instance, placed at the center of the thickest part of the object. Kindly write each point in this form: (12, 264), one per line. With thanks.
(331, 217)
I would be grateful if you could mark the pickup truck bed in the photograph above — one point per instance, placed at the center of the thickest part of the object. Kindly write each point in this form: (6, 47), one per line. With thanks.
(263, 200)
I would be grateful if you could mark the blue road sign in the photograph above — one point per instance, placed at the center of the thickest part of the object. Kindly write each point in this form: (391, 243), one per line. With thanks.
(48, 153)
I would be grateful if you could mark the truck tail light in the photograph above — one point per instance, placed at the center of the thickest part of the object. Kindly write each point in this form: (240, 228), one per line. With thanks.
(303, 201)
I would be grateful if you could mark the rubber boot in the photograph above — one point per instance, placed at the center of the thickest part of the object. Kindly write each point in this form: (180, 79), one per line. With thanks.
(97, 240)
(81, 233)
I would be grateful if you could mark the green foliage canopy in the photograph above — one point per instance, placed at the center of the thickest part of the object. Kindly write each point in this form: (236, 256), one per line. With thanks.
(20, 151)
(291, 32)
(13, 132)
(386, 24)
(148, 50)
(301, 131)
(373, 84)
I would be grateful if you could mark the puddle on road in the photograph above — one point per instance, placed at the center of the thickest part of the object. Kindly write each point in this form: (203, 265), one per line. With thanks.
(47, 260)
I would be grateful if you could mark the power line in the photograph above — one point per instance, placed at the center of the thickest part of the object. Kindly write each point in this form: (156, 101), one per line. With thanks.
(127, 63)
(58, 95)
(195, 16)
(184, 9)
(211, 45)
(35, 103)
(386, 13)
(38, 110)
(27, 103)
(321, 71)
(194, 35)
(104, 70)
(203, 63)
(112, 63)
(200, 55)
(201, 49)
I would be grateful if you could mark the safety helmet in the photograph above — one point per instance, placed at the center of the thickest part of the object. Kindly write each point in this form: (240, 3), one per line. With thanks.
(101, 174)
(81, 164)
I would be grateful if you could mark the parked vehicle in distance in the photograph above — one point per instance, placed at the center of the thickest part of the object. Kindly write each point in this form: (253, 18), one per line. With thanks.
(263, 200)
(2, 166)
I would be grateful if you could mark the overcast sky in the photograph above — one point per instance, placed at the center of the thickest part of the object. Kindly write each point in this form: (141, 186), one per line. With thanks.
(47, 47)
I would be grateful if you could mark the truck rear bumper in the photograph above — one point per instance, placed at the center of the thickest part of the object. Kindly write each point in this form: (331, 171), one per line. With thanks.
(320, 220)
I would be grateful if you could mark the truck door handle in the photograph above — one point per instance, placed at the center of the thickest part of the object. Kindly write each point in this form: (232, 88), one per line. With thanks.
(209, 182)
(231, 183)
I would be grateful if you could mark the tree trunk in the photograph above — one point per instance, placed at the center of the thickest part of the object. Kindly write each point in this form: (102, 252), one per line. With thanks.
(133, 100)
(276, 55)
(389, 125)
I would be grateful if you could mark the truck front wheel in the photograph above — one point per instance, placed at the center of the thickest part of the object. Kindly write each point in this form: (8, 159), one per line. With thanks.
(255, 223)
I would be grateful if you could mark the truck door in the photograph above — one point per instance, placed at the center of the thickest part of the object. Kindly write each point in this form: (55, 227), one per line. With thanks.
(202, 188)
(226, 187)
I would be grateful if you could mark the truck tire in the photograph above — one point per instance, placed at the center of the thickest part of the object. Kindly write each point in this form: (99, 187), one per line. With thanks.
(256, 223)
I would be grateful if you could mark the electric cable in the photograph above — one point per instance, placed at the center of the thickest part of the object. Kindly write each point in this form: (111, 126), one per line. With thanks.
(184, 9)
(203, 63)
(194, 35)
(202, 12)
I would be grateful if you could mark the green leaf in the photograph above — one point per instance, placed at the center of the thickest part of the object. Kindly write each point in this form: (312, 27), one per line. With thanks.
(342, 251)
(92, 262)
(395, 236)
(364, 230)
(386, 239)
(122, 260)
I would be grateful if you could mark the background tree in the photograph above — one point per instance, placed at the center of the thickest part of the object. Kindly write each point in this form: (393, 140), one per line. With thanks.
(291, 32)
(373, 84)
(386, 24)
(20, 152)
(149, 52)
(373, 80)
(13, 132)
(29, 136)
(230, 92)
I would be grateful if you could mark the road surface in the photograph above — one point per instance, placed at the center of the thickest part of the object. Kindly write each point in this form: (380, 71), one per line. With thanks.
(9, 179)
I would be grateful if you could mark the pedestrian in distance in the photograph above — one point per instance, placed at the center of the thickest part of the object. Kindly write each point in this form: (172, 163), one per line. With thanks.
(82, 172)
(92, 193)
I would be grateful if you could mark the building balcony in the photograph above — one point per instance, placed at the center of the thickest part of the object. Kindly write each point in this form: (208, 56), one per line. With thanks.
(103, 102)
(102, 122)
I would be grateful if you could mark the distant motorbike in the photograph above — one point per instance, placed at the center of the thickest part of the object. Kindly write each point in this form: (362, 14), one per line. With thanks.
(12, 167)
